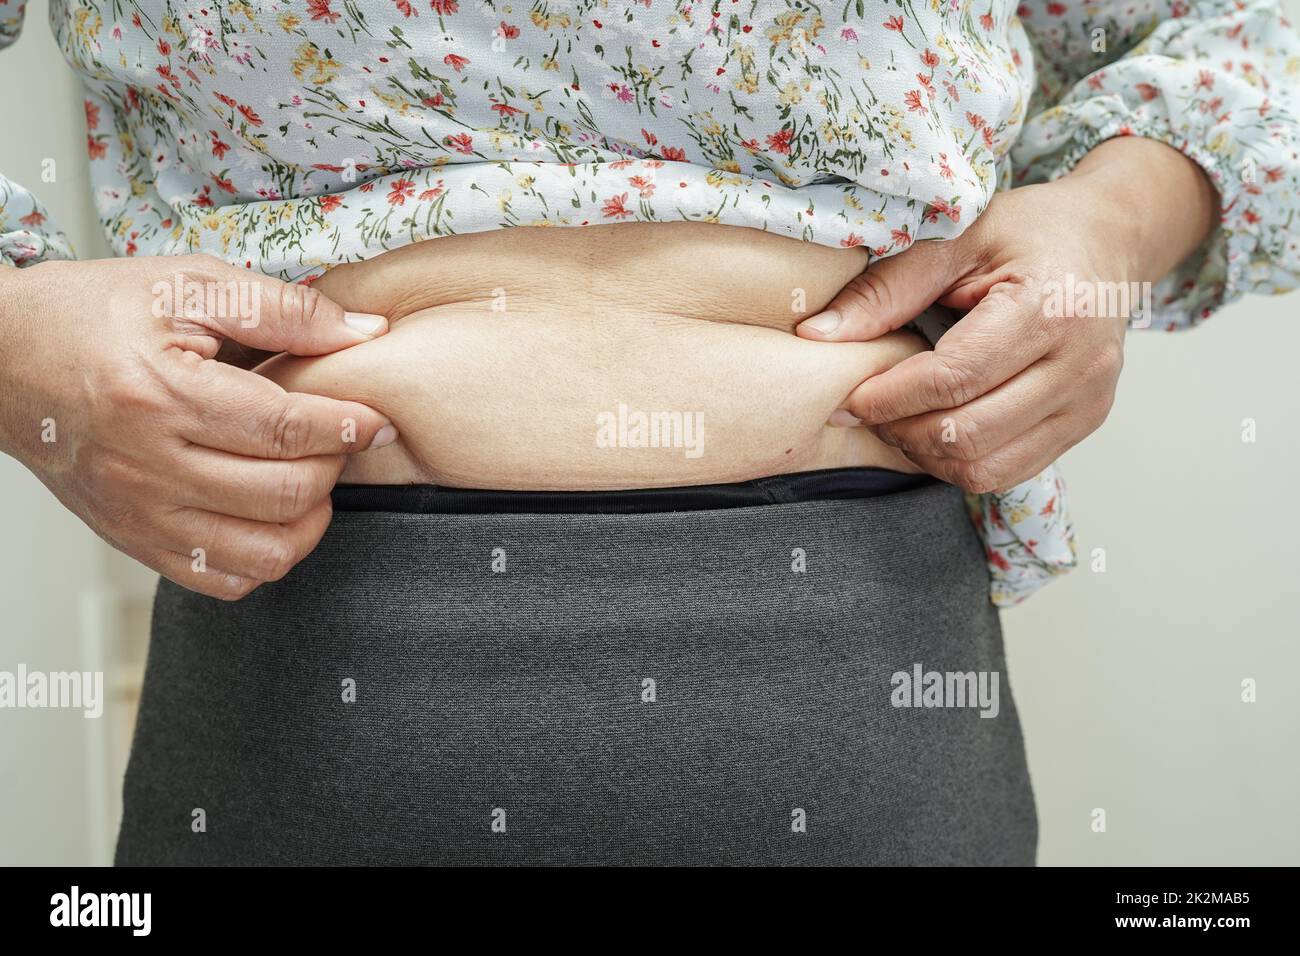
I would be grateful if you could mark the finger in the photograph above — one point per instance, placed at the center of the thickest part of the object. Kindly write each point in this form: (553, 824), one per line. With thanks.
(179, 569)
(982, 426)
(238, 411)
(998, 339)
(888, 293)
(258, 489)
(1017, 461)
(262, 312)
(256, 550)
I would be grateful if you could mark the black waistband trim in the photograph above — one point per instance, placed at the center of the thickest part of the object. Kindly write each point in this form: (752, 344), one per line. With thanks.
(830, 483)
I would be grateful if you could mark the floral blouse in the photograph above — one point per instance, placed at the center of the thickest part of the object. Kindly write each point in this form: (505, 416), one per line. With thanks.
(290, 136)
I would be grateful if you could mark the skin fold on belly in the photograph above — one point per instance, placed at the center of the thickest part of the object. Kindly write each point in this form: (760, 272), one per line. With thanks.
(625, 356)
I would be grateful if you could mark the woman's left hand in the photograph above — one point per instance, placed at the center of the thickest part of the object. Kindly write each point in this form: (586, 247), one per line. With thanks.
(1029, 370)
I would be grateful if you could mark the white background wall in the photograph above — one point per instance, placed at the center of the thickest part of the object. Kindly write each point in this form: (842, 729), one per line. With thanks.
(1128, 681)
(47, 557)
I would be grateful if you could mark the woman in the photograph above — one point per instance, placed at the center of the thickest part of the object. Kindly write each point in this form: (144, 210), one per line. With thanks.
(612, 583)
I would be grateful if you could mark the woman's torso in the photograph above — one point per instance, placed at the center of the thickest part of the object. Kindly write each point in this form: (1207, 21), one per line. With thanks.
(617, 357)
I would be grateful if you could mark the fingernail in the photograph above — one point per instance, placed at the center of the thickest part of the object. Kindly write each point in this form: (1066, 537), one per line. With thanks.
(385, 436)
(367, 323)
(842, 418)
(826, 323)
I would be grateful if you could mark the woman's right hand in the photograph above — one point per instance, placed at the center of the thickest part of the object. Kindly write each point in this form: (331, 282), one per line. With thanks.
(211, 475)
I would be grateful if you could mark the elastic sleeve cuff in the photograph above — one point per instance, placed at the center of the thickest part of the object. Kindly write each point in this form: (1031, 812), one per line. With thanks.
(1222, 91)
(1215, 274)
(1027, 535)
(27, 233)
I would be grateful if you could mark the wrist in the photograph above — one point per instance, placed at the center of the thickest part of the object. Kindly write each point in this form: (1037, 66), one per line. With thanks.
(15, 358)
(1156, 203)
(9, 280)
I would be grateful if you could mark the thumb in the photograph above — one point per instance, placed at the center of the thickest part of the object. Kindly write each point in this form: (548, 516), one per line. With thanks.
(887, 295)
(264, 313)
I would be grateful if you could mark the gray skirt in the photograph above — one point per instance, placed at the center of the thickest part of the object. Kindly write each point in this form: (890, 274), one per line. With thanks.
(820, 682)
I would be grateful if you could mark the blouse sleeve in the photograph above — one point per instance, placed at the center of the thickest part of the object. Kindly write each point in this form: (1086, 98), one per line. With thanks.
(27, 234)
(1215, 79)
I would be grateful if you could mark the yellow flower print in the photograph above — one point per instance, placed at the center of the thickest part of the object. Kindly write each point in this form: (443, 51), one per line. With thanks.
(86, 25)
(312, 66)
(709, 126)
(547, 21)
(171, 26)
(401, 106)
(289, 22)
(1222, 145)
(504, 141)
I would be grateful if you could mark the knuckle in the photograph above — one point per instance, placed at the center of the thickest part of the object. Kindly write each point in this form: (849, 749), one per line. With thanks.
(869, 293)
(109, 516)
(288, 432)
(299, 305)
(979, 477)
(231, 588)
(124, 391)
(202, 260)
(1102, 368)
(953, 383)
(274, 559)
(111, 481)
(1098, 411)
(112, 475)
(201, 266)
(293, 497)
(960, 438)
(1114, 356)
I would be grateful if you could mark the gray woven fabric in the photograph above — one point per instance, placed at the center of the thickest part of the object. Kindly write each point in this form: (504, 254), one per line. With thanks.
(504, 717)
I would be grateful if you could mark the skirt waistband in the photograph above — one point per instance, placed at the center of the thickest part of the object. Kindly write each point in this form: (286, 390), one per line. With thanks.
(824, 485)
